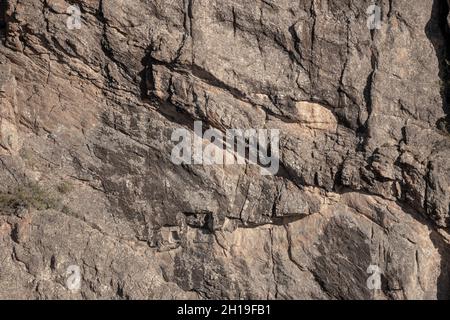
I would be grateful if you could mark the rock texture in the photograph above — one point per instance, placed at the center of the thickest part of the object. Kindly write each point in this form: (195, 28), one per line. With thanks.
(86, 117)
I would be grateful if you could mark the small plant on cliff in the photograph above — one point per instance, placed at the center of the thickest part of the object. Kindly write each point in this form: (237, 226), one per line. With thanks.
(65, 187)
(29, 195)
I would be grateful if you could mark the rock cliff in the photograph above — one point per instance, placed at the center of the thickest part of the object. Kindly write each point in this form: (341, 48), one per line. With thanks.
(91, 92)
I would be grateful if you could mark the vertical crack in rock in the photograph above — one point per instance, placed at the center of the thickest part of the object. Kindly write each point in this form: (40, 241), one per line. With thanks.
(312, 12)
(438, 32)
(3, 8)
(363, 130)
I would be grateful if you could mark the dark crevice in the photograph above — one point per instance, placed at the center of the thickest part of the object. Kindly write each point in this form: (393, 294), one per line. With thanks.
(312, 67)
(3, 24)
(146, 75)
(437, 31)
(390, 11)
(190, 14)
(234, 22)
(362, 131)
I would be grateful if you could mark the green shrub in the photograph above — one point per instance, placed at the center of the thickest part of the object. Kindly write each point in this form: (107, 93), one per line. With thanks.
(29, 195)
(66, 210)
(65, 187)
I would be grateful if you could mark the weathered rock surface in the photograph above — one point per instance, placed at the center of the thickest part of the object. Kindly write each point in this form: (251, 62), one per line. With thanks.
(87, 114)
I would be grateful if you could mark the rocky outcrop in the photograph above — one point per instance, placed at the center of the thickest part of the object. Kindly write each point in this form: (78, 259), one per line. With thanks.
(91, 92)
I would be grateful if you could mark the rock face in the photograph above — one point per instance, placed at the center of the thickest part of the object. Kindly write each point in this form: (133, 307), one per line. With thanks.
(91, 92)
